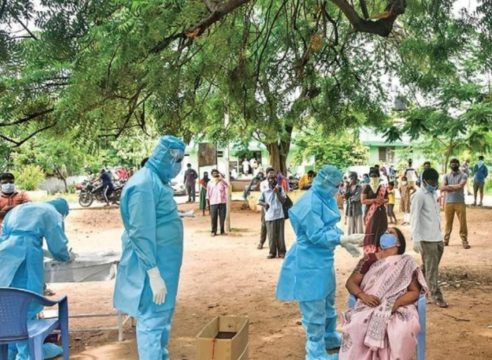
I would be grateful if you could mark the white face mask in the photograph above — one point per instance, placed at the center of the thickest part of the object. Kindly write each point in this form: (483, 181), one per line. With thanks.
(8, 188)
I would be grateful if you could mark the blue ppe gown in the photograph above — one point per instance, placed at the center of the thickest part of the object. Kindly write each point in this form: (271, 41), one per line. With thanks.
(21, 253)
(153, 237)
(308, 274)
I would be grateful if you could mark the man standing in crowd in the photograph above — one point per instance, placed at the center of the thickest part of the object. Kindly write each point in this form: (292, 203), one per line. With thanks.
(264, 187)
(9, 196)
(411, 174)
(306, 180)
(190, 177)
(272, 201)
(426, 231)
(217, 191)
(480, 173)
(354, 205)
(253, 165)
(454, 184)
(427, 165)
(245, 164)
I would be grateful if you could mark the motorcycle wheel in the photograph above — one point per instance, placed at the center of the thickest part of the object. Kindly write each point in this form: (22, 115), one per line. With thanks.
(85, 199)
(115, 197)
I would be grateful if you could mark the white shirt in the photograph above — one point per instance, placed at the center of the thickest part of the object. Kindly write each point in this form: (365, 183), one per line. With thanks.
(425, 218)
(264, 185)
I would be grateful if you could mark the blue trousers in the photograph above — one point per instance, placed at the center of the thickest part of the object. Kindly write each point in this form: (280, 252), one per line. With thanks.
(153, 330)
(319, 319)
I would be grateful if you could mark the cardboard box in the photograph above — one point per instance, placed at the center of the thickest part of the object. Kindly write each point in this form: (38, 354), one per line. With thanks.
(209, 347)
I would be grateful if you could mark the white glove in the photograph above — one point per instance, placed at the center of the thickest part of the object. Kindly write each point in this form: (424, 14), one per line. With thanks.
(157, 285)
(417, 247)
(352, 249)
(351, 243)
(355, 239)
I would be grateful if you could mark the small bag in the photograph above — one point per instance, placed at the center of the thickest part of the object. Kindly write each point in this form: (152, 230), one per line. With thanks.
(287, 205)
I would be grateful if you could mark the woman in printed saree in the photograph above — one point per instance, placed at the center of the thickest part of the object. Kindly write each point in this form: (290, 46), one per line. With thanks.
(384, 322)
(374, 196)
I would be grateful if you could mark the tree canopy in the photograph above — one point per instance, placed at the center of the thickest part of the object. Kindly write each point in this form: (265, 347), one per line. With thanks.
(111, 69)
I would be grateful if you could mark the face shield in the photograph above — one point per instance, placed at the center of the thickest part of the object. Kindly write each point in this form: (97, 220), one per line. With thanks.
(167, 157)
(176, 159)
(327, 181)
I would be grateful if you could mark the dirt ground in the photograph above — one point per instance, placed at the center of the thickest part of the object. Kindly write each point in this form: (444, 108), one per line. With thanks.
(227, 275)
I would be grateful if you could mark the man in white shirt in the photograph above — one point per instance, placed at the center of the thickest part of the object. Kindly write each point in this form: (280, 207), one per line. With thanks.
(264, 187)
(245, 166)
(426, 231)
(272, 201)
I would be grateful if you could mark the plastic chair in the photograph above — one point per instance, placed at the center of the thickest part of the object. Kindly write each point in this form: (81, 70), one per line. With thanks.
(421, 308)
(16, 327)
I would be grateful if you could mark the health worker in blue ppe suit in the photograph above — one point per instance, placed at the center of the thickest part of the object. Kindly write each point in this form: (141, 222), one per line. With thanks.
(308, 273)
(21, 255)
(148, 274)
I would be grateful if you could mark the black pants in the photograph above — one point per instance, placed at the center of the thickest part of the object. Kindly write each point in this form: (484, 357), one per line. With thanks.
(218, 211)
(263, 227)
(107, 191)
(190, 189)
(276, 239)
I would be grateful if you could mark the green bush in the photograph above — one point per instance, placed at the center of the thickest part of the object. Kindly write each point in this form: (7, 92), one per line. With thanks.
(28, 177)
(488, 186)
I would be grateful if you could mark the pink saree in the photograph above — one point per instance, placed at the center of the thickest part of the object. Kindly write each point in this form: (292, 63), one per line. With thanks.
(376, 333)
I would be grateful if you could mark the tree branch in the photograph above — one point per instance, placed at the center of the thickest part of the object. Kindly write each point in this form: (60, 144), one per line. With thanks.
(25, 27)
(384, 23)
(198, 29)
(363, 7)
(19, 143)
(28, 118)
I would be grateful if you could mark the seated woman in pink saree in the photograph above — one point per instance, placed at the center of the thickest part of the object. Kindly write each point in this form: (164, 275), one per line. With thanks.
(384, 323)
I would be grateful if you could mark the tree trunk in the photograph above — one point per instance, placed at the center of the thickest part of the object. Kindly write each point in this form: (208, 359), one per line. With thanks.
(279, 151)
(62, 178)
(449, 151)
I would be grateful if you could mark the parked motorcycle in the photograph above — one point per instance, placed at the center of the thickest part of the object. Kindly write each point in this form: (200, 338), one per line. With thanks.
(93, 190)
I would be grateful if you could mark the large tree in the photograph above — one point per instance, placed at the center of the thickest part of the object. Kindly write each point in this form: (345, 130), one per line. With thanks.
(102, 68)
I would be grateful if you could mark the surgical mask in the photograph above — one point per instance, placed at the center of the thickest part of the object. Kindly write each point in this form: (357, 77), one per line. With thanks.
(480, 163)
(8, 188)
(388, 241)
(430, 188)
(374, 182)
(403, 182)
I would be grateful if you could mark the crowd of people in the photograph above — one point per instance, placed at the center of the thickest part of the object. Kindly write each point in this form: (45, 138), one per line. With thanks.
(386, 282)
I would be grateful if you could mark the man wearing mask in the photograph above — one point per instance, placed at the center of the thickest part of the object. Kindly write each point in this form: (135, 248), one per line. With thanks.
(21, 252)
(354, 206)
(480, 173)
(9, 196)
(426, 231)
(217, 192)
(454, 184)
(148, 273)
(190, 177)
(308, 272)
(264, 187)
(272, 201)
